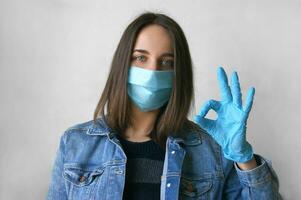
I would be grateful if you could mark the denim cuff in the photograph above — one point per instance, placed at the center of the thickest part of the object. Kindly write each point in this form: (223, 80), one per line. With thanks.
(256, 176)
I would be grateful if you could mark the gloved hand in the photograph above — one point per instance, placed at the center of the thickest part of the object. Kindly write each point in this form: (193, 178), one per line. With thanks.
(229, 129)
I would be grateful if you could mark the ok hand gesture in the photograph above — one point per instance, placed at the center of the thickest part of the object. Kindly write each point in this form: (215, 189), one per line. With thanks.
(229, 129)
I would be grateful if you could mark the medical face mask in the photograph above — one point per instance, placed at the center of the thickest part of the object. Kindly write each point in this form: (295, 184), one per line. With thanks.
(149, 89)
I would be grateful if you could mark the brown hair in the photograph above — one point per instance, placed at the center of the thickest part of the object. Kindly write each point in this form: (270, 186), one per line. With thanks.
(173, 114)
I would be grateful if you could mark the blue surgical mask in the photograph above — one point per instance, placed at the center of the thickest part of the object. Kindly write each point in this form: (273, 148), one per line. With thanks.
(149, 89)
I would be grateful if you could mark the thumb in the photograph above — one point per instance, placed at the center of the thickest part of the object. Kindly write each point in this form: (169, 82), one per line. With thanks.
(204, 123)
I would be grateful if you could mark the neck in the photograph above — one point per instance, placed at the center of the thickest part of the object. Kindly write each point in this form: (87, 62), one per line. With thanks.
(142, 124)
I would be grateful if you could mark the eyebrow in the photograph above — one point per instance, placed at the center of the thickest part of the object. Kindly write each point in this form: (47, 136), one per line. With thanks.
(146, 52)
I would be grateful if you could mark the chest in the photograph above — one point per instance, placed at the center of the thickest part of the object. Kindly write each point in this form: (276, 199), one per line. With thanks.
(189, 172)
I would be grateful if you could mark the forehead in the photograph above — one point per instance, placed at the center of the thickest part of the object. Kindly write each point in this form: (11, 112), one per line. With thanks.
(154, 38)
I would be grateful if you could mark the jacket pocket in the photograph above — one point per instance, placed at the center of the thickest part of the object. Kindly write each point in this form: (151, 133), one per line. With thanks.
(195, 189)
(82, 180)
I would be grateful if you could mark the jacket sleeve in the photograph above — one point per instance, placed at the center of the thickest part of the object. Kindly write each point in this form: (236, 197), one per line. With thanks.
(258, 183)
(56, 189)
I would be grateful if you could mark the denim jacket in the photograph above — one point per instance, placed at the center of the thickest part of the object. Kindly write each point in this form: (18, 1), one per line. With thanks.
(90, 164)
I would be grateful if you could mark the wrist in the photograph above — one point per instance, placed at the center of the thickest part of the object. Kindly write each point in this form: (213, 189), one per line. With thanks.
(242, 156)
(251, 164)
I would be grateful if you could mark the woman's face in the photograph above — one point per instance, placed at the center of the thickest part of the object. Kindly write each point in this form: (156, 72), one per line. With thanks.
(153, 49)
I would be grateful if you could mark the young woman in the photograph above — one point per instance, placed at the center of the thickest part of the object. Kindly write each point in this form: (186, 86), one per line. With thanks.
(141, 145)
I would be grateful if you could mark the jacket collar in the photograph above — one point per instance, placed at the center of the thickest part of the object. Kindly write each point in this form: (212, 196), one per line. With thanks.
(102, 128)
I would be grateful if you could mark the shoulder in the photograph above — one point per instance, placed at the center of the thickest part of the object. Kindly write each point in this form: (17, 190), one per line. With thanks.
(80, 127)
(212, 149)
(81, 141)
(204, 155)
(84, 130)
(207, 144)
(193, 132)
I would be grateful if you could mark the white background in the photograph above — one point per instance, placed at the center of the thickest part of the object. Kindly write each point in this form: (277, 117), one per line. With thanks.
(55, 57)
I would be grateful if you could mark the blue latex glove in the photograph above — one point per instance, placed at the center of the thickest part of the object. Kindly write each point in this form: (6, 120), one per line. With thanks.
(229, 129)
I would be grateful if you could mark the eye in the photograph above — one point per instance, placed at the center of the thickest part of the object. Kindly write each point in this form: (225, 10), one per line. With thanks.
(140, 58)
(168, 63)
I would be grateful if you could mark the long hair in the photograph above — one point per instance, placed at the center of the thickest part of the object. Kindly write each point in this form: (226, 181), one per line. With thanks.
(172, 117)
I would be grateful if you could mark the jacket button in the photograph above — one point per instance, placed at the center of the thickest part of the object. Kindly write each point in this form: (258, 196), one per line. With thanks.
(82, 179)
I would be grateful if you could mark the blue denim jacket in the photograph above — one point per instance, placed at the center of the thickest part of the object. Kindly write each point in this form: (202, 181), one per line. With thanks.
(90, 164)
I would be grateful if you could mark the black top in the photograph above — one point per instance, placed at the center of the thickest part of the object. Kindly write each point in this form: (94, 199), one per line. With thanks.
(144, 168)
